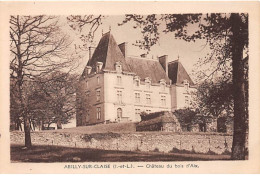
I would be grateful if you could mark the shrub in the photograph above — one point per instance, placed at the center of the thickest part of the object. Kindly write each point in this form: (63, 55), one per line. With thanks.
(183, 151)
(210, 152)
(156, 150)
(186, 117)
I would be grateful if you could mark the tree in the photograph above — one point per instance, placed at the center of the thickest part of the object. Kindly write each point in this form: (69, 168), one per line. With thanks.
(54, 99)
(15, 109)
(214, 98)
(186, 117)
(37, 47)
(227, 37)
(87, 25)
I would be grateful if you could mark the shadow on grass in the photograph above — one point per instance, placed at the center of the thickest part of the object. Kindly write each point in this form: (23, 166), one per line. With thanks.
(67, 154)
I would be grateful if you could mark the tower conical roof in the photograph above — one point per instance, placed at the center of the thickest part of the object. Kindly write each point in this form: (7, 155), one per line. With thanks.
(108, 53)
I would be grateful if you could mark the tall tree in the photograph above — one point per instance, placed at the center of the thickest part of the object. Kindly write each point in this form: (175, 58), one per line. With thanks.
(227, 37)
(214, 98)
(54, 99)
(186, 117)
(37, 47)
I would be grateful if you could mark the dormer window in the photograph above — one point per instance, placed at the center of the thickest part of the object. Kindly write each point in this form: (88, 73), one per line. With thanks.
(88, 69)
(186, 84)
(147, 82)
(99, 67)
(163, 84)
(137, 81)
(118, 67)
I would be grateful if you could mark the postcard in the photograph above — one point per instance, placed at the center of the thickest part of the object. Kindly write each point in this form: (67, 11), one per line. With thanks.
(129, 87)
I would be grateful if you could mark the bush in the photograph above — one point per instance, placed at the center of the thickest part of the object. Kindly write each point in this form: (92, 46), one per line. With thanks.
(183, 151)
(210, 152)
(156, 150)
(186, 117)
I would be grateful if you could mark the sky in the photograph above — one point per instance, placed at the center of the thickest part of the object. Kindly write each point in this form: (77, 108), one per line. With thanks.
(188, 52)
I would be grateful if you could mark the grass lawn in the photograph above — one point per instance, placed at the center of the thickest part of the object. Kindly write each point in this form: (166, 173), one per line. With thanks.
(67, 154)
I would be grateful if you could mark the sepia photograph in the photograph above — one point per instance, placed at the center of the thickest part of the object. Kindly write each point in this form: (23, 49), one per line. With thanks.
(134, 87)
(123, 105)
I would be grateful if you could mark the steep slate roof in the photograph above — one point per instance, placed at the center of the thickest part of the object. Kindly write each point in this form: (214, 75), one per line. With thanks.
(177, 73)
(108, 53)
(147, 68)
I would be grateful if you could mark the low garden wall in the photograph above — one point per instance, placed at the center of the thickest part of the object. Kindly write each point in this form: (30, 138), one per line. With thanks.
(137, 141)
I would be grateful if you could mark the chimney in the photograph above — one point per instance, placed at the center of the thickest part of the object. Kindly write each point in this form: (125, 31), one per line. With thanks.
(164, 62)
(123, 48)
(143, 55)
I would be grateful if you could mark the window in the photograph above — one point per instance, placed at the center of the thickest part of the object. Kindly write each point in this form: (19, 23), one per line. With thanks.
(119, 96)
(163, 87)
(87, 84)
(148, 111)
(119, 80)
(119, 113)
(137, 113)
(163, 84)
(98, 66)
(186, 85)
(118, 67)
(148, 98)
(98, 113)
(98, 80)
(187, 100)
(147, 82)
(98, 95)
(163, 100)
(147, 85)
(89, 69)
(137, 83)
(137, 97)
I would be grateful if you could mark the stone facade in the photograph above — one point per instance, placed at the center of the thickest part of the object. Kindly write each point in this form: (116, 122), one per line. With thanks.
(115, 87)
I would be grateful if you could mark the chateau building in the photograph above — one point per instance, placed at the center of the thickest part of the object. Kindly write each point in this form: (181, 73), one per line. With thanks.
(115, 87)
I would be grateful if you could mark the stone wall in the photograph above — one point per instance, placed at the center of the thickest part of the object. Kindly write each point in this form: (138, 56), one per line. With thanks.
(137, 141)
